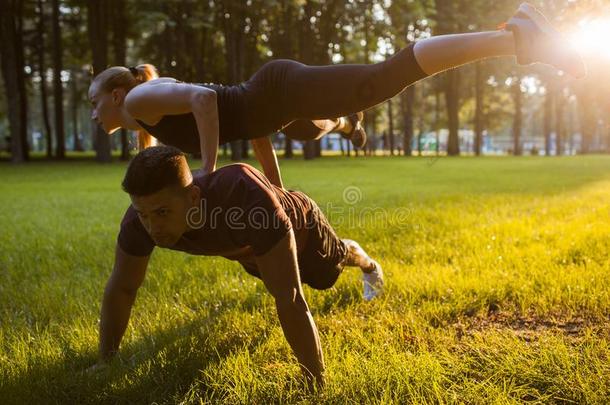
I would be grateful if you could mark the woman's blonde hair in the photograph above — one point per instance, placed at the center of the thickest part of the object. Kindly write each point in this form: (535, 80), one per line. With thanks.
(128, 78)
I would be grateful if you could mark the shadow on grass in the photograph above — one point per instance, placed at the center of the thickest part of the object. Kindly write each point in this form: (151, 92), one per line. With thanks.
(161, 367)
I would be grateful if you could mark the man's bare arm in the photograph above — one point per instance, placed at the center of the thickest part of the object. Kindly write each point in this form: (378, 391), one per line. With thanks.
(119, 296)
(279, 270)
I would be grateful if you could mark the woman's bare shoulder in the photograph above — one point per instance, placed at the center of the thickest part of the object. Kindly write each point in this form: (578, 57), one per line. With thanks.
(161, 80)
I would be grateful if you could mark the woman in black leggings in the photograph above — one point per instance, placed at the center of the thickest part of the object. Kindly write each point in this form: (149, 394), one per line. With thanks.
(303, 101)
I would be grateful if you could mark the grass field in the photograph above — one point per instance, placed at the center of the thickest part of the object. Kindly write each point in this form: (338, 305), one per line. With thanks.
(498, 290)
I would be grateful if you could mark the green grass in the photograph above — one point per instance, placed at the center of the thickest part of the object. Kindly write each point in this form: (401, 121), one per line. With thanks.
(498, 290)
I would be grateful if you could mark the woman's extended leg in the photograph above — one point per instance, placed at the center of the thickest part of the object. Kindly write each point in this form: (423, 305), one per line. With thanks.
(319, 92)
(437, 54)
(527, 35)
(288, 90)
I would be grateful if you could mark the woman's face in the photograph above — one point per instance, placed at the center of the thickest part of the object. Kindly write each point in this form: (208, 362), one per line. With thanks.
(106, 108)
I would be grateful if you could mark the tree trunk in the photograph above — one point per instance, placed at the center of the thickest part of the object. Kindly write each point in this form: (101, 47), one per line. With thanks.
(75, 104)
(97, 17)
(391, 128)
(233, 30)
(309, 150)
(286, 50)
(306, 40)
(447, 12)
(14, 79)
(58, 91)
(548, 120)
(559, 124)
(408, 100)
(478, 113)
(288, 152)
(317, 147)
(437, 119)
(367, 114)
(452, 100)
(587, 119)
(46, 124)
(518, 117)
(245, 149)
(119, 21)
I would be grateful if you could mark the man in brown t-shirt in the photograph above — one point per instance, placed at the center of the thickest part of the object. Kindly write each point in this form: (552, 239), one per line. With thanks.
(279, 236)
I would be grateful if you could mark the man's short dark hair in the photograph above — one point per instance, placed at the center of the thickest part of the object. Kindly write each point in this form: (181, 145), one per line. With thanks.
(156, 168)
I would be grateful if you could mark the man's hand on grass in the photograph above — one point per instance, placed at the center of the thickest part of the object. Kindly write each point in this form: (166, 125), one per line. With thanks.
(96, 368)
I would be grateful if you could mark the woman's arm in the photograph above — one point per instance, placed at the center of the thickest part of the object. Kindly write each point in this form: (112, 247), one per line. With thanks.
(205, 110)
(151, 101)
(263, 149)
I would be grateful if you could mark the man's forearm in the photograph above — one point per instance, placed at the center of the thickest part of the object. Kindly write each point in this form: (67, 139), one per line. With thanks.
(116, 309)
(302, 335)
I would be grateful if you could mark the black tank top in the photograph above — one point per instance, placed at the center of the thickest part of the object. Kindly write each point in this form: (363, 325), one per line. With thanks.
(181, 130)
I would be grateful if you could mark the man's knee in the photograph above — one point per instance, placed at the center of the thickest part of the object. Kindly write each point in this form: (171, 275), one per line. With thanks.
(322, 277)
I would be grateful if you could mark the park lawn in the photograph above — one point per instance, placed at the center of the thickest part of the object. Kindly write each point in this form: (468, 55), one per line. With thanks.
(498, 289)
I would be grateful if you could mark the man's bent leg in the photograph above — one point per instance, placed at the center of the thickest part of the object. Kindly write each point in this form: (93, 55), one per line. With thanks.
(308, 130)
(372, 275)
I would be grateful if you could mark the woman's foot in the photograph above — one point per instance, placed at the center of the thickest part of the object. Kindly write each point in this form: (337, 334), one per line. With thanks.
(536, 40)
(354, 131)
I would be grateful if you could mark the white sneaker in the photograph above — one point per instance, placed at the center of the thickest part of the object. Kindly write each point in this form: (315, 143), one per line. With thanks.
(536, 40)
(373, 283)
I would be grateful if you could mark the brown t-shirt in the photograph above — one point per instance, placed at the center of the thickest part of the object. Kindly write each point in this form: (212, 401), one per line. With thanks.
(242, 214)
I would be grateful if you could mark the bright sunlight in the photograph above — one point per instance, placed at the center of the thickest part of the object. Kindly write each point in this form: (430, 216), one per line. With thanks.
(592, 37)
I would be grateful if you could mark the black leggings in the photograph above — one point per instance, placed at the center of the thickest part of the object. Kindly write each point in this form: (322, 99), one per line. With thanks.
(283, 90)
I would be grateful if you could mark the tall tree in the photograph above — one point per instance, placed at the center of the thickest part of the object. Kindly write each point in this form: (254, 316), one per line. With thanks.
(97, 20)
(306, 55)
(41, 51)
(283, 45)
(76, 101)
(390, 127)
(58, 93)
(548, 120)
(11, 19)
(446, 12)
(407, 103)
(405, 24)
(518, 116)
(119, 21)
(478, 115)
(233, 21)
(74, 23)
(559, 123)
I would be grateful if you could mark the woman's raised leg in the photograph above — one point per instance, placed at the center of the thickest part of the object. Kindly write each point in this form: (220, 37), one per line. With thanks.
(320, 92)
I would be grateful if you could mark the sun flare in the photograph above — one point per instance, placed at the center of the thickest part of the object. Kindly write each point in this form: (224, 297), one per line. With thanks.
(592, 37)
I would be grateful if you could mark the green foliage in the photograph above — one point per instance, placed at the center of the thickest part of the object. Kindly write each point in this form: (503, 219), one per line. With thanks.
(497, 274)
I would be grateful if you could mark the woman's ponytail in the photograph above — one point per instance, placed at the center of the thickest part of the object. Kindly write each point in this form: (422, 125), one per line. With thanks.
(144, 72)
(128, 78)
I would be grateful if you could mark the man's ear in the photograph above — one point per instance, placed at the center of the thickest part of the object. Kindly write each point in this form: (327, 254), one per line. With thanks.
(118, 96)
(195, 194)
